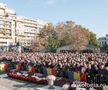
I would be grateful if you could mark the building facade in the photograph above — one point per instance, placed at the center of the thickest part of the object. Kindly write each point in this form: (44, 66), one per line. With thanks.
(17, 29)
(103, 41)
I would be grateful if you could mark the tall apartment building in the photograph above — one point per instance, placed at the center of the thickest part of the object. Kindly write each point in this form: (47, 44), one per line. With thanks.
(103, 41)
(16, 29)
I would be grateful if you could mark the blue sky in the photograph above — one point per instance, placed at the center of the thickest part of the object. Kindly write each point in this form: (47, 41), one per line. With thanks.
(92, 14)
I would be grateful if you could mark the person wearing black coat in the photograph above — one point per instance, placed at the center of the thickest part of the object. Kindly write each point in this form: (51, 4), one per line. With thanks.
(106, 73)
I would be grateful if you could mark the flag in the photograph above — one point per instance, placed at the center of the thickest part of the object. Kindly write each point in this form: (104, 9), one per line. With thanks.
(29, 68)
(2, 67)
(18, 67)
(54, 71)
(70, 75)
(76, 76)
(83, 77)
(49, 71)
(45, 71)
(33, 69)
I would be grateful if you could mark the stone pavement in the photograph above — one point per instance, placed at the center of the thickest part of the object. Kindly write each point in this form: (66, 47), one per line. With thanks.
(4, 88)
(7, 83)
(46, 88)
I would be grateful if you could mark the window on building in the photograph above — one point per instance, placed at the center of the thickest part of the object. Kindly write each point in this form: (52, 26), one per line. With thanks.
(105, 43)
(3, 42)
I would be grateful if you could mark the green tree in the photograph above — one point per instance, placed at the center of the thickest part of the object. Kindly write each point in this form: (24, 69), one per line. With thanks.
(52, 42)
(65, 40)
(93, 40)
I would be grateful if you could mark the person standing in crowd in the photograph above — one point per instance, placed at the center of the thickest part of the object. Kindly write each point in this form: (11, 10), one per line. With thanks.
(106, 73)
(101, 74)
(95, 65)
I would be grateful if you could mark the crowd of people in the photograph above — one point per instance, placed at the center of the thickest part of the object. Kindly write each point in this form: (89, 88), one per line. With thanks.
(94, 65)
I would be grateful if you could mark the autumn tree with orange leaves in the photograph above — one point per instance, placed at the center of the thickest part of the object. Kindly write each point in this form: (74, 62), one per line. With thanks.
(64, 33)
